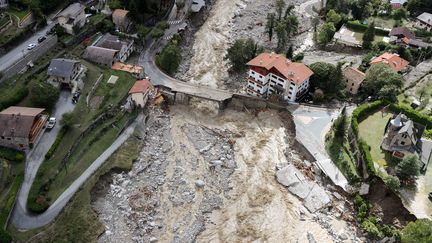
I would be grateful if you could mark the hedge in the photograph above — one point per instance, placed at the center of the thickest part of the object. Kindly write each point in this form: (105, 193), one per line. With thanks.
(11, 154)
(412, 114)
(56, 143)
(357, 26)
(369, 163)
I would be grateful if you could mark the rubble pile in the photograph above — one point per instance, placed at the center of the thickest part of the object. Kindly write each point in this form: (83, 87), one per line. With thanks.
(166, 196)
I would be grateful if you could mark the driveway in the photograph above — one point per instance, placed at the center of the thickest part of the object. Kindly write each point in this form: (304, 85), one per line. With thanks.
(36, 156)
(18, 52)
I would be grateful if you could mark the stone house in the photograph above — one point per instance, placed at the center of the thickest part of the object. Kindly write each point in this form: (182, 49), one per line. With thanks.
(141, 92)
(121, 20)
(64, 71)
(73, 15)
(21, 127)
(353, 79)
(424, 21)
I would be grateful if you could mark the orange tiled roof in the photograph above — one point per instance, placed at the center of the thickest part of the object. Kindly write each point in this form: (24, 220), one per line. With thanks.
(297, 72)
(354, 75)
(141, 86)
(392, 60)
(120, 13)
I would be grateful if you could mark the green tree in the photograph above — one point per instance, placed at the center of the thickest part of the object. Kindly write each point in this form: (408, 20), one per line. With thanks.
(324, 79)
(399, 14)
(282, 36)
(326, 33)
(107, 25)
(291, 25)
(76, 29)
(289, 53)
(280, 5)
(409, 167)
(115, 4)
(315, 22)
(170, 58)
(270, 25)
(60, 31)
(333, 17)
(419, 231)
(241, 52)
(299, 57)
(381, 77)
(142, 30)
(340, 126)
(288, 11)
(369, 36)
(67, 120)
(392, 182)
(43, 94)
(156, 32)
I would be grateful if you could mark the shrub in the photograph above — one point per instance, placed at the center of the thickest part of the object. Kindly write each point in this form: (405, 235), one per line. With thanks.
(365, 150)
(363, 111)
(56, 143)
(11, 154)
(371, 229)
(392, 182)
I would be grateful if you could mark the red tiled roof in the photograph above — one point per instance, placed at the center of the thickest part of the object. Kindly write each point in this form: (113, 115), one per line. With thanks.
(297, 72)
(141, 86)
(392, 60)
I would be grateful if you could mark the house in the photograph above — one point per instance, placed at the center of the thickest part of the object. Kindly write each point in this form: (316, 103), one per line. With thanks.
(415, 43)
(121, 20)
(270, 73)
(403, 137)
(4, 3)
(392, 60)
(346, 37)
(73, 15)
(402, 32)
(424, 22)
(135, 70)
(140, 92)
(397, 3)
(64, 71)
(108, 50)
(20, 127)
(353, 79)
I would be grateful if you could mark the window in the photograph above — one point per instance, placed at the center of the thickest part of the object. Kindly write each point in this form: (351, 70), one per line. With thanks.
(352, 84)
(280, 85)
(351, 89)
(403, 143)
(21, 145)
(2, 137)
(8, 138)
(291, 87)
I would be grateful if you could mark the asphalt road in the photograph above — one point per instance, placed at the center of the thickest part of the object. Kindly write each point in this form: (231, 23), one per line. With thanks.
(36, 156)
(23, 219)
(18, 52)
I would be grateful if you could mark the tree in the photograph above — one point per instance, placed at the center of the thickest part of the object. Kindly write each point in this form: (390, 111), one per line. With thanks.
(289, 53)
(270, 25)
(288, 11)
(282, 36)
(324, 79)
(280, 5)
(241, 52)
(392, 182)
(291, 24)
(326, 33)
(399, 14)
(67, 120)
(315, 22)
(142, 31)
(107, 25)
(333, 17)
(115, 4)
(380, 76)
(419, 231)
(43, 95)
(156, 32)
(170, 58)
(340, 126)
(76, 28)
(60, 31)
(369, 36)
(423, 91)
(299, 57)
(409, 167)
(359, 9)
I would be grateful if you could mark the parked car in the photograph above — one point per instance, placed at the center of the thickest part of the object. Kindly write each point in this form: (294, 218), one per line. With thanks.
(31, 46)
(42, 38)
(51, 122)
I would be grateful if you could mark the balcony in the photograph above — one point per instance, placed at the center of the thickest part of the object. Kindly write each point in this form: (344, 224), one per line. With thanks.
(253, 80)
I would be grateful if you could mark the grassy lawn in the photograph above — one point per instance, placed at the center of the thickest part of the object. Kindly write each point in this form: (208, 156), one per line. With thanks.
(94, 19)
(385, 22)
(372, 131)
(359, 37)
(78, 222)
(54, 176)
(408, 95)
(17, 12)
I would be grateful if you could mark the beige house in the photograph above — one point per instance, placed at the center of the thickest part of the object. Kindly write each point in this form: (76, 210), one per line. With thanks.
(73, 15)
(353, 79)
(121, 20)
(140, 92)
(20, 127)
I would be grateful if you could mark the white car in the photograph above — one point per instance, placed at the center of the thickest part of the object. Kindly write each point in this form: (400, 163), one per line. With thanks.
(51, 122)
(31, 46)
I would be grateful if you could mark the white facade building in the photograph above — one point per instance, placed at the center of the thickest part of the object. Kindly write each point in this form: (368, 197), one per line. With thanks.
(274, 74)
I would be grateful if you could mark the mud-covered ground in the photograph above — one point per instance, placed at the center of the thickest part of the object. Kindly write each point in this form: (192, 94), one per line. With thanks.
(211, 178)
